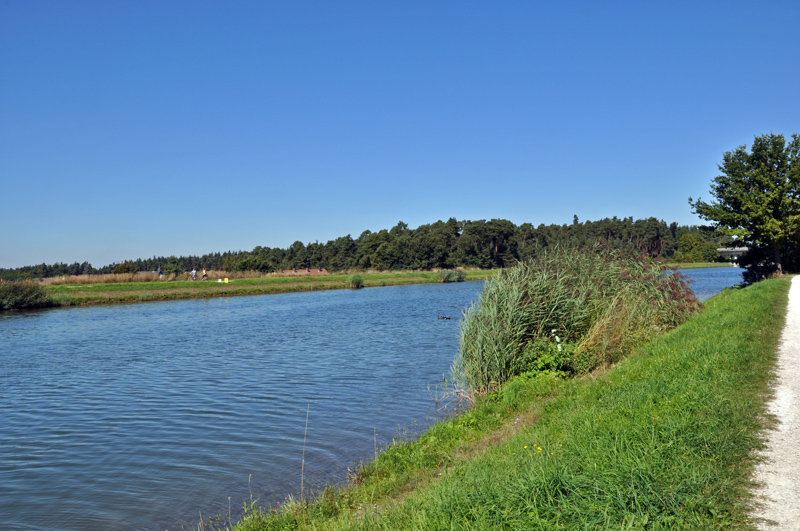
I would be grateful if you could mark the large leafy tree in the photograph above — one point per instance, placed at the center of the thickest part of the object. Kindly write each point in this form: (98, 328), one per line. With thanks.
(758, 197)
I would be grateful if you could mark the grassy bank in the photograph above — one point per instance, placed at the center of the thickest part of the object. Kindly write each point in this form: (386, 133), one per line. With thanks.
(663, 440)
(700, 265)
(66, 294)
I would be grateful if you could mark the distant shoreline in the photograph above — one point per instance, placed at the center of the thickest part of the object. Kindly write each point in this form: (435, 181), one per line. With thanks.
(67, 295)
(74, 291)
(701, 265)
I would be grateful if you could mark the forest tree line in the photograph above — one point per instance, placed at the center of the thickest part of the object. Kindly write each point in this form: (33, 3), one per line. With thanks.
(444, 244)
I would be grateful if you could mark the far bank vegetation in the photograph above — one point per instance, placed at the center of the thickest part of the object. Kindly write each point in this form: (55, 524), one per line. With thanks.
(449, 245)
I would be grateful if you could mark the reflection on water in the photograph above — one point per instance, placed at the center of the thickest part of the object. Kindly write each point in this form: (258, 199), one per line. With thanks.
(144, 416)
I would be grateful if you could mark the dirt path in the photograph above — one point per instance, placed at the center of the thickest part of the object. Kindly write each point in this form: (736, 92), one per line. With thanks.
(779, 474)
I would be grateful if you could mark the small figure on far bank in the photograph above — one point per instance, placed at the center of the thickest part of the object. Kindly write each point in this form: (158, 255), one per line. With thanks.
(205, 274)
(194, 274)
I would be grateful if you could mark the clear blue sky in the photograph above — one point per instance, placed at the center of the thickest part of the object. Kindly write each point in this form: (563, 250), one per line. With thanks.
(138, 128)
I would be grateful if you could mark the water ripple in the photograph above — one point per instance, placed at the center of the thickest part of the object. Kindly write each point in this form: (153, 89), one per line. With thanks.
(142, 416)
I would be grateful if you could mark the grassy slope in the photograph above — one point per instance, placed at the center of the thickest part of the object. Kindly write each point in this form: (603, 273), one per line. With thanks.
(662, 441)
(78, 294)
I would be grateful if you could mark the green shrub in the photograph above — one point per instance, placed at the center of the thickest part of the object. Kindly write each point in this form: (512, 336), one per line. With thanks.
(547, 356)
(23, 295)
(355, 282)
(125, 267)
(446, 275)
(569, 310)
(172, 267)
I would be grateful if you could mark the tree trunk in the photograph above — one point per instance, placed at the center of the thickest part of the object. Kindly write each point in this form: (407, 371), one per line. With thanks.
(778, 260)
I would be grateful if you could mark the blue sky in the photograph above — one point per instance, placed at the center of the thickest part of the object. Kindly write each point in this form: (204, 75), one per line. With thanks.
(134, 129)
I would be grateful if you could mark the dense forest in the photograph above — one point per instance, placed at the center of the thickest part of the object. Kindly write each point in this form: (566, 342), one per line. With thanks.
(444, 244)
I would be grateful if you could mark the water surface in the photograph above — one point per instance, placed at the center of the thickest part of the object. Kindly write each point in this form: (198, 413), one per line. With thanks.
(142, 416)
(707, 282)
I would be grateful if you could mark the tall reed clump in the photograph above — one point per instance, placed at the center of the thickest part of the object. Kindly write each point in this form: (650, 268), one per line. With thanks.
(23, 295)
(355, 282)
(446, 275)
(111, 278)
(569, 310)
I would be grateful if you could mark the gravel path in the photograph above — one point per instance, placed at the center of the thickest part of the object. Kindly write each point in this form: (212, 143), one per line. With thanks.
(779, 474)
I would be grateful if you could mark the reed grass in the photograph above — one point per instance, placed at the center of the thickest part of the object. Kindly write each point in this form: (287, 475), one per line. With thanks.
(214, 275)
(355, 282)
(569, 310)
(111, 278)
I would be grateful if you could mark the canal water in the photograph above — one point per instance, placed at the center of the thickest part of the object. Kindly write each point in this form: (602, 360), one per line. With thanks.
(146, 416)
(708, 282)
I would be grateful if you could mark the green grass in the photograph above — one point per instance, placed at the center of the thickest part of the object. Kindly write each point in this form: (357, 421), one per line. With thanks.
(106, 293)
(662, 441)
(700, 265)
